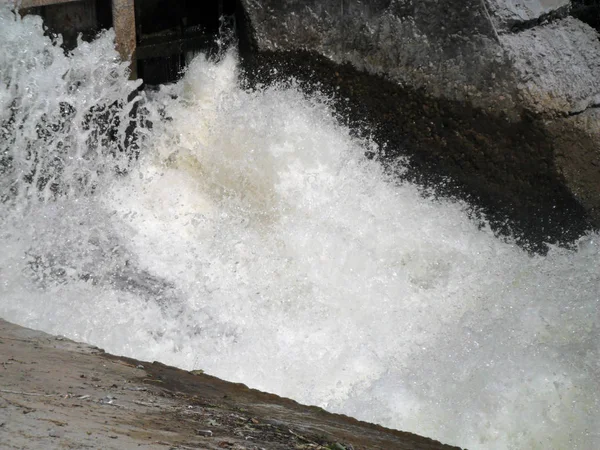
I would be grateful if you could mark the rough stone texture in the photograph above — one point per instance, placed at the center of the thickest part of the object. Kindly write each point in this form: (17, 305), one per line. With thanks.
(457, 50)
(558, 66)
(450, 49)
(520, 62)
(56, 393)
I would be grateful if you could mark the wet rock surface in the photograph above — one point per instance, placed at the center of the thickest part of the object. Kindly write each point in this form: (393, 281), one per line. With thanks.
(56, 393)
(448, 48)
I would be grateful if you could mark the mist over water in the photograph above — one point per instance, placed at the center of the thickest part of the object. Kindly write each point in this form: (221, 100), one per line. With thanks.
(252, 239)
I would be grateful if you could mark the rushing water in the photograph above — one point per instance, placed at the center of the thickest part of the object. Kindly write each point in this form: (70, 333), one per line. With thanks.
(252, 239)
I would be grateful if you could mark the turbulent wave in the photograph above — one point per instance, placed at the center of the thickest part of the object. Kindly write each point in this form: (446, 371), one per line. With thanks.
(252, 238)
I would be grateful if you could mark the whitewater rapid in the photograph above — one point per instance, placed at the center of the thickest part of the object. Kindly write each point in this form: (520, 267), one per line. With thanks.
(252, 239)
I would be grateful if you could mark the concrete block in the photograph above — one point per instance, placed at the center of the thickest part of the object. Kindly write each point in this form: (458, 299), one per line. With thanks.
(449, 48)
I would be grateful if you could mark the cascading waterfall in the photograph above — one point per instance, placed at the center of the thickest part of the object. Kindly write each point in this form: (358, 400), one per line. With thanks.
(251, 238)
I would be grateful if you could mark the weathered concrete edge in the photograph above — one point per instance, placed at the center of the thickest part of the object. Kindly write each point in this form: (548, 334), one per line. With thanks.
(544, 60)
(187, 388)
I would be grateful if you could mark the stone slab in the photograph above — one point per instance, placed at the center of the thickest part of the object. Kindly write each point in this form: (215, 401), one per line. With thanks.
(458, 50)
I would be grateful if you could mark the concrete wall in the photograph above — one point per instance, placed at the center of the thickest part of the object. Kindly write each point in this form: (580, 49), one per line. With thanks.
(486, 51)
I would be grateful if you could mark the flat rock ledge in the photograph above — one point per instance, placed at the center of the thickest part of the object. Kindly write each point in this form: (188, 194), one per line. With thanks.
(56, 393)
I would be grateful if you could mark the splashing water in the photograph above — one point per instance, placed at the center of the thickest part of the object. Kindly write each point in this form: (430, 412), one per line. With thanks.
(252, 239)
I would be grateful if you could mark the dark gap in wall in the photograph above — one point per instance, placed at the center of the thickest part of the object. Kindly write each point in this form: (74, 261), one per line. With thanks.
(70, 20)
(161, 70)
(166, 30)
(104, 14)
